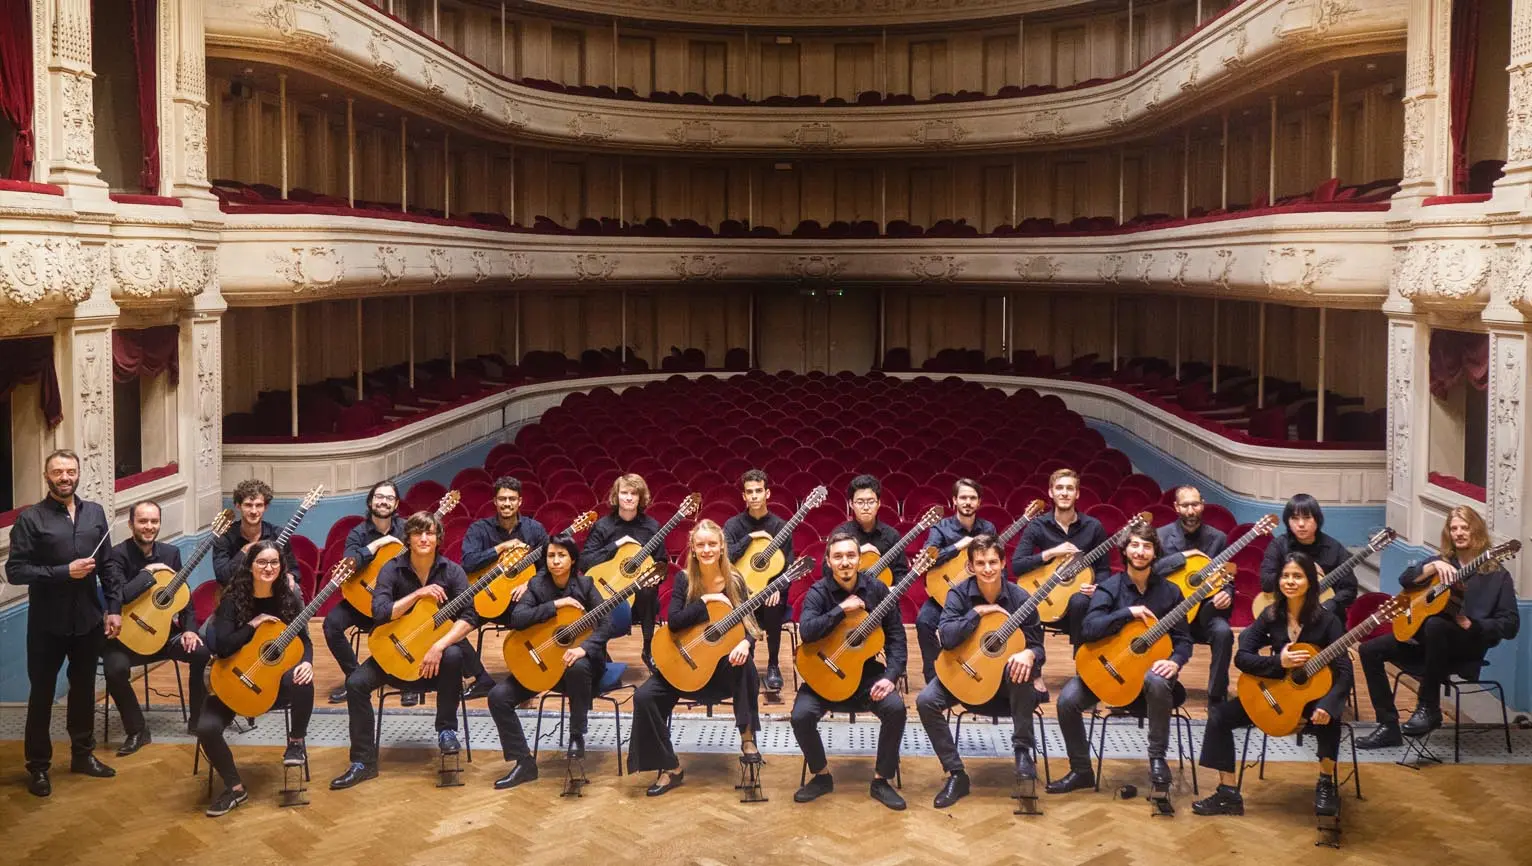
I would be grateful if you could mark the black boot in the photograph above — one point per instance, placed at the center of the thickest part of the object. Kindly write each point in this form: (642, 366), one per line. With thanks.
(355, 774)
(817, 786)
(1159, 773)
(1226, 800)
(1385, 735)
(88, 765)
(1026, 769)
(38, 783)
(576, 747)
(338, 696)
(524, 771)
(953, 790)
(1326, 797)
(1424, 721)
(133, 742)
(1074, 780)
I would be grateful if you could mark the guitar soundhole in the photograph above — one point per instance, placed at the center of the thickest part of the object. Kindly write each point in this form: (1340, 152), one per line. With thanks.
(270, 654)
(1299, 677)
(855, 642)
(162, 599)
(758, 562)
(991, 646)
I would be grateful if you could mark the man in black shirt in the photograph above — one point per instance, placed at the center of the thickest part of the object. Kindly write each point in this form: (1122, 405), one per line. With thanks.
(250, 499)
(124, 578)
(950, 537)
(738, 531)
(824, 607)
(488, 537)
(1304, 520)
(1065, 532)
(1189, 536)
(383, 526)
(871, 533)
(627, 521)
(53, 554)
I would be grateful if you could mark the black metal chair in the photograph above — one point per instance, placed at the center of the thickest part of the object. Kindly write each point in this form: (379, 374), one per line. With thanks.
(1465, 679)
(1349, 733)
(611, 683)
(1185, 751)
(106, 705)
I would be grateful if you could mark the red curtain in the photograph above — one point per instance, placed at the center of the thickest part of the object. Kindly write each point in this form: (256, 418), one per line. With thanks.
(145, 60)
(16, 82)
(1465, 57)
(1456, 355)
(30, 360)
(147, 353)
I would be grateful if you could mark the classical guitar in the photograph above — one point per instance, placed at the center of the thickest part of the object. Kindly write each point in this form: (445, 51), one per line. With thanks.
(881, 566)
(1442, 596)
(1051, 606)
(1276, 704)
(399, 644)
(687, 658)
(535, 655)
(147, 619)
(1196, 569)
(249, 680)
(1382, 539)
(309, 500)
(1114, 667)
(358, 590)
(632, 558)
(832, 665)
(941, 579)
(495, 599)
(763, 558)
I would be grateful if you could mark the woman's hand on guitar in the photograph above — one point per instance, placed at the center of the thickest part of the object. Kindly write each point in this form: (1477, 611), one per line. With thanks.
(518, 592)
(773, 600)
(262, 618)
(718, 597)
(1319, 717)
(566, 602)
(431, 662)
(740, 654)
(573, 654)
(1019, 666)
(303, 674)
(1292, 658)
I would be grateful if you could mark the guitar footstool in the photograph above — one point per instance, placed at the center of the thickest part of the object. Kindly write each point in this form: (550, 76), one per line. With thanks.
(449, 771)
(1025, 795)
(1329, 830)
(574, 778)
(295, 786)
(750, 779)
(1159, 802)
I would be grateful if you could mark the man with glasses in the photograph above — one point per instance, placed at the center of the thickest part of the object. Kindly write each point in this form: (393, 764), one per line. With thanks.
(382, 526)
(871, 534)
(1189, 536)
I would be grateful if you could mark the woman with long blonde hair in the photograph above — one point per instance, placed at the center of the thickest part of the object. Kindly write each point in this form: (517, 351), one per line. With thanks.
(707, 577)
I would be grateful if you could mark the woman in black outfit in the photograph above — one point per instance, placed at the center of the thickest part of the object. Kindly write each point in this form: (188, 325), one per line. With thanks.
(258, 593)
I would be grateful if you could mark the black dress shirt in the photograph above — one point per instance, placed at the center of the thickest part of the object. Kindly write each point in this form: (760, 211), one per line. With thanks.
(1489, 601)
(945, 535)
(537, 605)
(1044, 533)
(683, 615)
(227, 558)
(822, 613)
(1267, 632)
(124, 579)
(44, 540)
(1174, 541)
(364, 534)
(486, 532)
(1326, 552)
(881, 536)
(737, 529)
(1109, 611)
(601, 543)
(227, 635)
(959, 620)
(397, 579)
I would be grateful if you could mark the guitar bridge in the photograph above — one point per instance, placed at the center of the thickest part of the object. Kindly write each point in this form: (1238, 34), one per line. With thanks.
(834, 669)
(606, 586)
(686, 657)
(490, 594)
(1271, 700)
(143, 625)
(1110, 669)
(536, 658)
(399, 647)
(246, 681)
(968, 669)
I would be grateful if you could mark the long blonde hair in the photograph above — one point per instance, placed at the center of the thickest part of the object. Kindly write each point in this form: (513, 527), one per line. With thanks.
(734, 583)
(1478, 535)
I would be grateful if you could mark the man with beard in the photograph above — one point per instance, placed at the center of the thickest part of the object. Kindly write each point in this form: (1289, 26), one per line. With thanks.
(124, 577)
(53, 554)
(1189, 536)
(486, 539)
(950, 537)
(382, 526)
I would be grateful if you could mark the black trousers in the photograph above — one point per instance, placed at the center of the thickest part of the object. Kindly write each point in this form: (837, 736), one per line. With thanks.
(771, 620)
(578, 684)
(341, 617)
(1213, 629)
(1154, 703)
(925, 634)
(370, 677)
(1440, 649)
(809, 708)
(46, 654)
(216, 716)
(1074, 617)
(1218, 739)
(650, 748)
(1016, 700)
(646, 608)
(117, 662)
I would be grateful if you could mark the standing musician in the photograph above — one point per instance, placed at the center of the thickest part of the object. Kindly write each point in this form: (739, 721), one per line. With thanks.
(250, 499)
(757, 522)
(486, 539)
(1445, 643)
(1304, 519)
(123, 578)
(257, 593)
(558, 583)
(865, 494)
(419, 572)
(1189, 536)
(986, 592)
(950, 537)
(1137, 593)
(1065, 532)
(1295, 617)
(53, 554)
(708, 577)
(382, 526)
(629, 499)
(825, 606)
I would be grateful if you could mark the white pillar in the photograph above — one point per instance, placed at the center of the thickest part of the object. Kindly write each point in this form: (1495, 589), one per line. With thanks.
(82, 347)
(1260, 357)
(183, 134)
(293, 364)
(351, 151)
(1178, 338)
(412, 341)
(1323, 379)
(1271, 177)
(1116, 325)
(1132, 43)
(447, 173)
(404, 164)
(503, 70)
(452, 335)
(1186, 172)
(359, 357)
(623, 353)
(282, 125)
(67, 112)
(1215, 345)
(1121, 185)
(1335, 123)
(200, 405)
(1223, 168)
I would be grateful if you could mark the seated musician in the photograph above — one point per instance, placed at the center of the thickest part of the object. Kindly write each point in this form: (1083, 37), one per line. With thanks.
(251, 497)
(1189, 536)
(257, 593)
(557, 584)
(1064, 532)
(419, 572)
(986, 592)
(1295, 617)
(1137, 593)
(123, 579)
(629, 499)
(752, 523)
(824, 607)
(949, 537)
(1304, 520)
(872, 534)
(708, 577)
(486, 539)
(383, 525)
(1455, 639)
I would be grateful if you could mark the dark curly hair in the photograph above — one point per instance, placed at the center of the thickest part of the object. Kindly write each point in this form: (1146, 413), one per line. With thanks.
(241, 593)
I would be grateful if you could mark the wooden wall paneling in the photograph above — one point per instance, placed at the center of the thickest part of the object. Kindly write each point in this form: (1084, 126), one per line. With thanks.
(782, 322)
(852, 326)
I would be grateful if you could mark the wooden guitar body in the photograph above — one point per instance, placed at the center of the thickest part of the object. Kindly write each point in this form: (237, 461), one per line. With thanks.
(1424, 604)
(494, 600)
(610, 577)
(1275, 704)
(358, 590)
(941, 579)
(1112, 669)
(868, 560)
(1052, 608)
(1182, 578)
(146, 620)
(686, 659)
(248, 681)
(831, 666)
(540, 671)
(973, 673)
(399, 645)
(756, 578)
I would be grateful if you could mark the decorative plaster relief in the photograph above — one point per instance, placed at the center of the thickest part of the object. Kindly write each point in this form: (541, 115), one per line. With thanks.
(441, 265)
(1109, 269)
(1040, 269)
(815, 136)
(1505, 431)
(697, 267)
(30, 270)
(392, 263)
(939, 134)
(935, 268)
(310, 269)
(1294, 269)
(593, 266)
(817, 267)
(698, 134)
(1438, 272)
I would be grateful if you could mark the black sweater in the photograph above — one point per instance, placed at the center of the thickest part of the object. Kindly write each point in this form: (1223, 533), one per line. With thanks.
(1489, 601)
(1267, 632)
(959, 620)
(226, 635)
(537, 605)
(822, 613)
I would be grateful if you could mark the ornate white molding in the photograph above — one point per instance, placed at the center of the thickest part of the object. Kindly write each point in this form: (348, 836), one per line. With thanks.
(79, 115)
(381, 50)
(1145, 266)
(815, 267)
(594, 266)
(939, 134)
(590, 126)
(1401, 368)
(1220, 267)
(143, 270)
(1177, 270)
(698, 267)
(1235, 44)
(1518, 115)
(815, 135)
(441, 265)
(392, 264)
(209, 397)
(1506, 392)
(1414, 136)
(34, 270)
(1438, 273)
(935, 268)
(1044, 125)
(1295, 269)
(1110, 268)
(1039, 269)
(699, 134)
(92, 385)
(305, 22)
(310, 269)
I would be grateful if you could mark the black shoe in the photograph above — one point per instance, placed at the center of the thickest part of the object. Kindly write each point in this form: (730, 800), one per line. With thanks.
(1159, 773)
(447, 742)
(649, 662)
(226, 801)
(409, 699)
(884, 793)
(1225, 800)
(296, 755)
(1025, 768)
(576, 747)
(953, 790)
(818, 785)
(133, 742)
(773, 682)
(1042, 693)
(355, 774)
(339, 695)
(1326, 797)
(38, 783)
(676, 778)
(1384, 736)
(1424, 721)
(524, 771)
(479, 689)
(88, 765)
(1074, 780)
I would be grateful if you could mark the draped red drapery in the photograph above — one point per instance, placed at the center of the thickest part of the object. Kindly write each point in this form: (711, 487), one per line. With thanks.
(1455, 356)
(16, 82)
(147, 352)
(32, 360)
(1465, 57)
(144, 62)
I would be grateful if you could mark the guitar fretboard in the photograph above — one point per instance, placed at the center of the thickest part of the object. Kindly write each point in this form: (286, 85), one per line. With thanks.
(786, 531)
(658, 539)
(874, 619)
(1325, 657)
(292, 524)
(898, 548)
(1014, 529)
(458, 603)
(300, 623)
(1176, 616)
(1227, 554)
(596, 614)
(1347, 567)
(190, 565)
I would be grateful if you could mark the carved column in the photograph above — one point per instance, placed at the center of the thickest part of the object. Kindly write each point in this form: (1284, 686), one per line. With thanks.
(1515, 189)
(182, 37)
(83, 354)
(1510, 351)
(1427, 122)
(201, 401)
(72, 124)
(1408, 414)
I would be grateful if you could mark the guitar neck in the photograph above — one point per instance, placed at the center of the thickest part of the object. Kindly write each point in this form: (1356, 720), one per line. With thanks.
(1342, 645)
(898, 548)
(300, 622)
(190, 565)
(1179, 613)
(875, 617)
(748, 606)
(1080, 563)
(1345, 568)
(458, 603)
(601, 611)
(658, 539)
(785, 532)
(292, 526)
(1228, 553)
(1014, 529)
